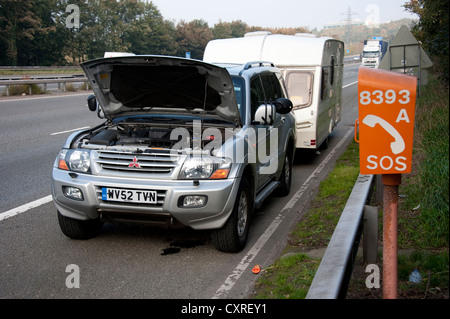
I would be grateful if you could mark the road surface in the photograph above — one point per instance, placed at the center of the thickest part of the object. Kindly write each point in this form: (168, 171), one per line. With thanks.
(38, 261)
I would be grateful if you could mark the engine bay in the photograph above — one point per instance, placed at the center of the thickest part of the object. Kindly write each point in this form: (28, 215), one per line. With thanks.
(134, 135)
(131, 137)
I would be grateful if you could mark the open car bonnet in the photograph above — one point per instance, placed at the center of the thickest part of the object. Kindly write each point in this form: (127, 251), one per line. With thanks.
(156, 84)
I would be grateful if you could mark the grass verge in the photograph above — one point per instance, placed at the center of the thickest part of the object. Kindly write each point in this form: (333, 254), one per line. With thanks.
(38, 71)
(423, 217)
(291, 275)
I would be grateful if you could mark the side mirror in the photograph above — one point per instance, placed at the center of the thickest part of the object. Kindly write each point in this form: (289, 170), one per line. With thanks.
(265, 114)
(92, 103)
(283, 106)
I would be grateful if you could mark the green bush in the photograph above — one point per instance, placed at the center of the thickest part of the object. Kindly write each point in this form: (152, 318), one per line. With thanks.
(24, 89)
(433, 145)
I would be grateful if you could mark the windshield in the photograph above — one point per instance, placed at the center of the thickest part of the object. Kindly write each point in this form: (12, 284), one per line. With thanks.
(371, 54)
(239, 88)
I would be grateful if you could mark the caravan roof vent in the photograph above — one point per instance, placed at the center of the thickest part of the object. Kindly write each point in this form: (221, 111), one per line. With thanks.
(257, 33)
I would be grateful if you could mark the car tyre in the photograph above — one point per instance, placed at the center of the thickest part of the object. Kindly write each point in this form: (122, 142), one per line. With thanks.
(286, 176)
(232, 237)
(79, 229)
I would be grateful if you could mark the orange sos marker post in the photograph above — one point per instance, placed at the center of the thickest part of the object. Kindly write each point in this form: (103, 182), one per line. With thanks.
(386, 128)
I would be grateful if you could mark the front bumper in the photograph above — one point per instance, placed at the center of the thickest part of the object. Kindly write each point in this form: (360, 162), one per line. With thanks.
(221, 195)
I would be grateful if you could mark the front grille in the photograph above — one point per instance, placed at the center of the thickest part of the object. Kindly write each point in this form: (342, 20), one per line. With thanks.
(148, 162)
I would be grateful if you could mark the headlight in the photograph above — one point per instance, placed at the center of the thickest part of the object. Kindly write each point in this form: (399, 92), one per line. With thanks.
(74, 160)
(79, 161)
(205, 167)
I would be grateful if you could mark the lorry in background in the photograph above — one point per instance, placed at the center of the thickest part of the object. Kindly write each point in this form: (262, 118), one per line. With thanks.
(373, 52)
(312, 69)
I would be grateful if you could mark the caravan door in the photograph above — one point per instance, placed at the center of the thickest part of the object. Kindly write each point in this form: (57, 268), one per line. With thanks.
(330, 93)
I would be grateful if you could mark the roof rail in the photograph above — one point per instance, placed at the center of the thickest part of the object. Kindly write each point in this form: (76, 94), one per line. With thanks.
(253, 64)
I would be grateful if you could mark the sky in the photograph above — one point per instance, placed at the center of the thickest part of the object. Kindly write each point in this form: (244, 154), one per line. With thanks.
(282, 13)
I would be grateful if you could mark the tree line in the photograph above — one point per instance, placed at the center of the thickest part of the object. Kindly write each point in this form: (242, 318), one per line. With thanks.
(67, 32)
(432, 30)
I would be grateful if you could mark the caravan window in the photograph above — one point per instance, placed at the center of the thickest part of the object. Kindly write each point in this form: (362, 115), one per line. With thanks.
(299, 86)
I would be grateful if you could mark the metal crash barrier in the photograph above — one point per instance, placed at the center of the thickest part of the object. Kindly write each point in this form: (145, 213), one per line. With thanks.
(30, 82)
(334, 272)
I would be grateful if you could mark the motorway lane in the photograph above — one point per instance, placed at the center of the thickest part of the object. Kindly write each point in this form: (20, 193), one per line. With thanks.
(28, 149)
(126, 262)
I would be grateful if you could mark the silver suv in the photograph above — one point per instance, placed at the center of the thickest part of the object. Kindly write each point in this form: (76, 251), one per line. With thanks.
(184, 142)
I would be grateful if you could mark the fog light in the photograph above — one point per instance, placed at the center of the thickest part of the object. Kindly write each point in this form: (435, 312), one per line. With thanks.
(72, 193)
(192, 201)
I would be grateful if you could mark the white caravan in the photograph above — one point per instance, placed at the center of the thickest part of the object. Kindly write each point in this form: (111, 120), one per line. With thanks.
(312, 69)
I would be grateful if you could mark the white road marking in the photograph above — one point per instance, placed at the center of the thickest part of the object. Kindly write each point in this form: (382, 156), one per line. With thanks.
(245, 262)
(350, 84)
(26, 207)
(319, 168)
(73, 130)
(42, 97)
(242, 266)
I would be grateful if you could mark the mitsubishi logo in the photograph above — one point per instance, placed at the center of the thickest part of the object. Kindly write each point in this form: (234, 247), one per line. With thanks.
(134, 163)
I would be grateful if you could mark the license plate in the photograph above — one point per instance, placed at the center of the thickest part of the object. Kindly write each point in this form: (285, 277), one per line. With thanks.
(129, 195)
